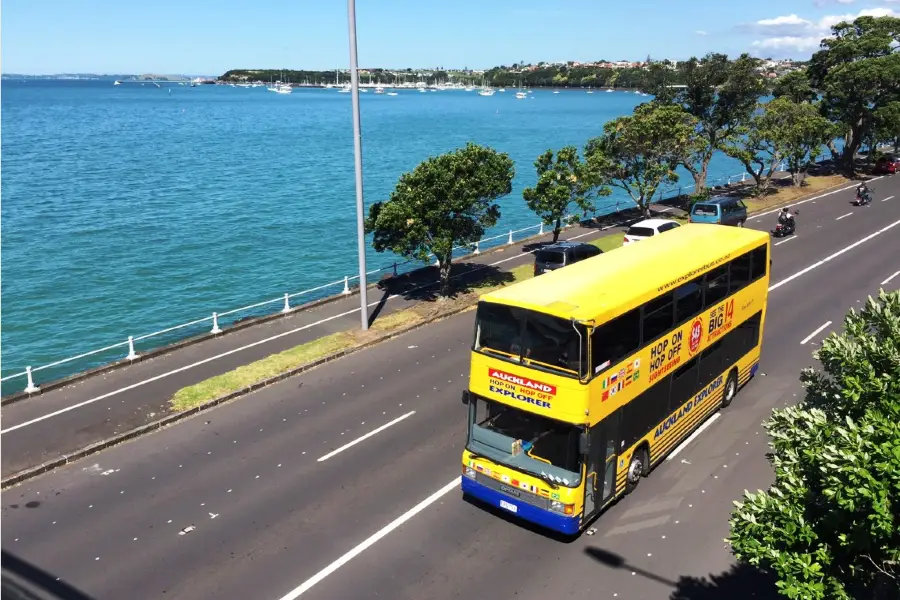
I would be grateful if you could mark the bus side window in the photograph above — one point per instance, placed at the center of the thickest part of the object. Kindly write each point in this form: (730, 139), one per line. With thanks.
(740, 273)
(689, 300)
(615, 340)
(711, 365)
(716, 286)
(659, 317)
(759, 263)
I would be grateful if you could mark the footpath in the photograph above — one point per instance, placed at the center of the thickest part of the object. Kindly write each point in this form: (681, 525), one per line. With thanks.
(67, 422)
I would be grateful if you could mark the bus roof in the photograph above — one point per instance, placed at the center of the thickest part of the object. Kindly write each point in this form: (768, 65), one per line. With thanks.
(604, 286)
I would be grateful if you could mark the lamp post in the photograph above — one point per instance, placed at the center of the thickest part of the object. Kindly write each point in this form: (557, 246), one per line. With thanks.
(357, 151)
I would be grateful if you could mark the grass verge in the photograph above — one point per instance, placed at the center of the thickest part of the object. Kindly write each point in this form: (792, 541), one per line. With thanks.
(788, 194)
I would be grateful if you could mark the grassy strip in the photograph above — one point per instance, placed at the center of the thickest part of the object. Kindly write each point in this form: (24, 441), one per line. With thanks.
(787, 195)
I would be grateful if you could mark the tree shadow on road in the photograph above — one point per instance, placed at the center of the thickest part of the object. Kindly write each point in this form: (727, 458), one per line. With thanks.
(422, 284)
(22, 580)
(740, 582)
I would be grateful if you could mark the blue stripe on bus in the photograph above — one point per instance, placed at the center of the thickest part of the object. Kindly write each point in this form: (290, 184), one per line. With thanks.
(754, 369)
(533, 514)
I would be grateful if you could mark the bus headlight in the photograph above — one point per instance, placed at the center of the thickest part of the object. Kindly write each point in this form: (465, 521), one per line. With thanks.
(469, 472)
(563, 509)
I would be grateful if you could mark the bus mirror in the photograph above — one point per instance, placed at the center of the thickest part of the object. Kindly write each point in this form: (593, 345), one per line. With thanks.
(465, 397)
(583, 443)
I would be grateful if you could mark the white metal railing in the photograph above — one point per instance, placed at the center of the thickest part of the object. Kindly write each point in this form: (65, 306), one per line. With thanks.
(344, 284)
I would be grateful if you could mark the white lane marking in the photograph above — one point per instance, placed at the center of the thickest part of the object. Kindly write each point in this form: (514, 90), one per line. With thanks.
(833, 256)
(367, 436)
(223, 355)
(793, 237)
(850, 187)
(814, 333)
(370, 541)
(842, 216)
(886, 199)
(888, 280)
(693, 436)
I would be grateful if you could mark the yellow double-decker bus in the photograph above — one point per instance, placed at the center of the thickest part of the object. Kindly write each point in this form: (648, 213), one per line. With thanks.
(585, 378)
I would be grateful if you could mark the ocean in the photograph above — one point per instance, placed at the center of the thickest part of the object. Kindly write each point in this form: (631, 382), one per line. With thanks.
(129, 209)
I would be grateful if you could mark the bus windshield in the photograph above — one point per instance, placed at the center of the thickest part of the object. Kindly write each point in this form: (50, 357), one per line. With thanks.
(541, 447)
(531, 338)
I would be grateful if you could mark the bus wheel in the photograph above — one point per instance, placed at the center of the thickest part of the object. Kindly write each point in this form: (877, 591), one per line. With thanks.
(635, 470)
(730, 389)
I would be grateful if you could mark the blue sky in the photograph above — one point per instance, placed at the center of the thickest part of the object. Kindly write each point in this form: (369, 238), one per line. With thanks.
(210, 36)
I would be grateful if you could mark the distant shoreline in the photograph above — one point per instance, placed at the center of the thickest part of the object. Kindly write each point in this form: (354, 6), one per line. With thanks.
(387, 86)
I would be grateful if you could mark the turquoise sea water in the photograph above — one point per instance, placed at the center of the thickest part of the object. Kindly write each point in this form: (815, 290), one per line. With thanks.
(128, 209)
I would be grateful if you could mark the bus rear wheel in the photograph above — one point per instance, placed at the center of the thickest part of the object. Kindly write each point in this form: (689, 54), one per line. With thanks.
(637, 466)
(730, 392)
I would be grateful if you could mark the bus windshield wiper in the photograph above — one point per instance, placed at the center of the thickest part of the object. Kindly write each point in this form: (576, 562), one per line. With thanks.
(544, 477)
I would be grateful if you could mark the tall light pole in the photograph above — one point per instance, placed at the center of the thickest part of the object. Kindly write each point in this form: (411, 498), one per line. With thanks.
(357, 151)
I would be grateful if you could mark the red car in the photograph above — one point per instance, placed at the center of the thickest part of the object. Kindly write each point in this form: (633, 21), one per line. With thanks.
(887, 165)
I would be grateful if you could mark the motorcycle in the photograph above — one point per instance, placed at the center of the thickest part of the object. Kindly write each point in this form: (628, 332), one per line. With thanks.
(863, 199)
(786, 227)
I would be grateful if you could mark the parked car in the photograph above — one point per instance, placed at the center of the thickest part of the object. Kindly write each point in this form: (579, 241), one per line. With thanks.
(886, 165)
(647, 228)
(721, 210)
(558, 255)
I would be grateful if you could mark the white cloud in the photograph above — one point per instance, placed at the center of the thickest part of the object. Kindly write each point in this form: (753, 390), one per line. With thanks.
(791, 32)
(701, 32)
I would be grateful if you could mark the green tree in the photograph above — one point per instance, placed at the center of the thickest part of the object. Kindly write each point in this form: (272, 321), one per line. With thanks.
(722, 96)
(797, 131)
(560, 184)
(887, 125)
(858, 72)
(829, 526)
(445, 201)
(795, 86)
(637, 153)
(756, 148)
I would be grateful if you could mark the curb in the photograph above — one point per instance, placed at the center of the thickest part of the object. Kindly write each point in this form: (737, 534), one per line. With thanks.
(141, 430)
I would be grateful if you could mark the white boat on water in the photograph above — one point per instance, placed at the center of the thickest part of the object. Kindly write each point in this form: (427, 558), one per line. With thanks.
(609, 91)
(470, 89)
(283, 88)
(502, 89)
(345, 89)
(521, 95)
(555, 91)
(379, 90)
(117, 82)
(392, 93)
(486, 92)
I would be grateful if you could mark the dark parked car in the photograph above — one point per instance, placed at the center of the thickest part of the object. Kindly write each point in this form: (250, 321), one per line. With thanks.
(558, 255)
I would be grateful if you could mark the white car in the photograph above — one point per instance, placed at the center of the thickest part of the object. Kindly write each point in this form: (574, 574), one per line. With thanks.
(648, 228)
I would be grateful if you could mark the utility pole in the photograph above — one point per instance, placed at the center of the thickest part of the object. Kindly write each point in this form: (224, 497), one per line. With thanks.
(357, 151)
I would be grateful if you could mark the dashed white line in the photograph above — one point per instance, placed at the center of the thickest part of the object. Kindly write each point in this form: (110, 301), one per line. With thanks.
(888, 280)
(814, 333)
(844, 189)
(886, 199)
(693, 436)
(842, 216)
(367, 436)
(793, 237)
(833, 256)
(370, 541)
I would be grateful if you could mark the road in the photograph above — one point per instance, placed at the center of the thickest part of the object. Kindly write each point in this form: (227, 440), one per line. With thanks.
(237, 502)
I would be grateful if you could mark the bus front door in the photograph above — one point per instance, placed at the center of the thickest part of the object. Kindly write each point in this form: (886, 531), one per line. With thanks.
(600, 485)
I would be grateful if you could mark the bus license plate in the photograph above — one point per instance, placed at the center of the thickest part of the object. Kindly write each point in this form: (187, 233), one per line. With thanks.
(509, 506)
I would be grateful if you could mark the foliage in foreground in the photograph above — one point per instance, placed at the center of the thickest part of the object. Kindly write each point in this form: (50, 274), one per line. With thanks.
(829, 527)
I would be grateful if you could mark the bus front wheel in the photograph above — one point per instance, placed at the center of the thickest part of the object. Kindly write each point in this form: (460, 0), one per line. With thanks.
(730, 389)
(636, 467)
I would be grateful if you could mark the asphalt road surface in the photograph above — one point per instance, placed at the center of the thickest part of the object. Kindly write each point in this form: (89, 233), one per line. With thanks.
(288, 493)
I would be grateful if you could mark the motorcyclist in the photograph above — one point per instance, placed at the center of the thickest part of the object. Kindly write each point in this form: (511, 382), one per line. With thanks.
(786, 219)
(862, 192)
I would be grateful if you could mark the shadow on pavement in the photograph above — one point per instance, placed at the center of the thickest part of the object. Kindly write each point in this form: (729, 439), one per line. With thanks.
(23, 581)
(740, 582)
